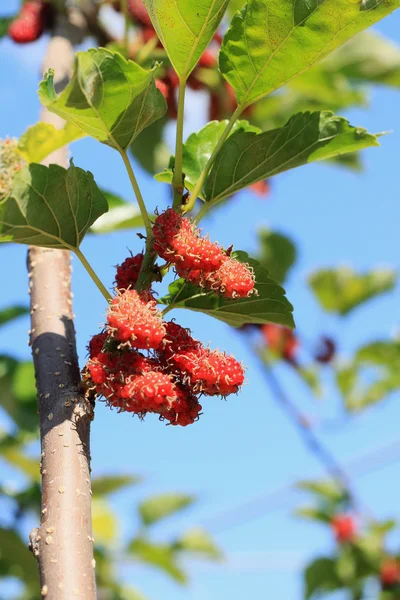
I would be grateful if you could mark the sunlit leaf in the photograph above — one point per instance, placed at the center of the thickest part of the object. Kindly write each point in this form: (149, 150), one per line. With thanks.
(42, 139)
(269, 306)
(110, 98)
(161, 556)
(15, 558)
(198, 149)
(321, 577)
(269, 43)
(104, 522)
(10, 313)
(5, 22)
(29, 499)
(307, 137)
(18, 392)
(16, 457)
(325, 489)
(149, 149)
(163, 505)
(185, 28)
(311, 377)
(51, 206)
(108, 484)
(342, 290)
(198, 541)
(369, 58)
(313, 514)
(120, 215)
(371, 376)
(277, 254)
(351, 161)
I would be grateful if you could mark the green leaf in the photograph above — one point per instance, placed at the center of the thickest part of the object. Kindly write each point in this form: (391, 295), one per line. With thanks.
(327, 88)
(269, 43)
(185, 28)
(10, 313)
(278, 254)
(313, 514)
(270, 306)
(121, 215)
(17, 378)
(108, 97)
(23, 384)
(28, 499)
(320, 577)
(108, 484)
(198, 541)
(311, 377)
(351, 161)
(163, 505)
(161, 556)
(372, 376)
(16, 560)
(235, 5)
(51, 206)
(149, 149)
(342, 290)
(307, 137)
(385, 354)
(346, 378)
(367, 58)
(14, 455)
(325, 489)
(42, 139)
(104, 522)
(5, 22)
(198, 149)
(346, 566)
(371, 545)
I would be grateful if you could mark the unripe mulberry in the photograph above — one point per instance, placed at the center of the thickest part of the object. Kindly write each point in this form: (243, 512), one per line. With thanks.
(178, 242)
(261, 188)
(162, 86)
(152, 392)
(128, 272)
(184, 410)
(210, 372)
(139, 12)
(177, 339)
(133, 320)
(207, 60)
(232, 279)
(390, 573)
(30, 23)
(109, 371)
(344, 528)
(281, 340)
(96, 344)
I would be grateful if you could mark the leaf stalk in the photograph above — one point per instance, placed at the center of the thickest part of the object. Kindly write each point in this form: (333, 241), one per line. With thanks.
(200, 182)
(177, 181)
(93, 275)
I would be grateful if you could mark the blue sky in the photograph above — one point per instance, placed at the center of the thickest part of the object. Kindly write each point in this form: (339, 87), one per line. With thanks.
(244, 448)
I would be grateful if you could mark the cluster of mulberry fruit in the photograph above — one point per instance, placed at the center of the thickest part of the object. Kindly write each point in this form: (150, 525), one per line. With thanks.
(198, 260)
(143, 364)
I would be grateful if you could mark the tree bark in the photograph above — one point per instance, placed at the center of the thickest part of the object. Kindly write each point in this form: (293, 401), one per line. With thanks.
(63, 544)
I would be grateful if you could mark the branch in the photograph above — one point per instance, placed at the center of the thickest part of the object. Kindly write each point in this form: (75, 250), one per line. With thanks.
(63, 544)
(311, 441)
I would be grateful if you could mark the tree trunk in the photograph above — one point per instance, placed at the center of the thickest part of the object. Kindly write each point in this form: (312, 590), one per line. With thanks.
(63, 544)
